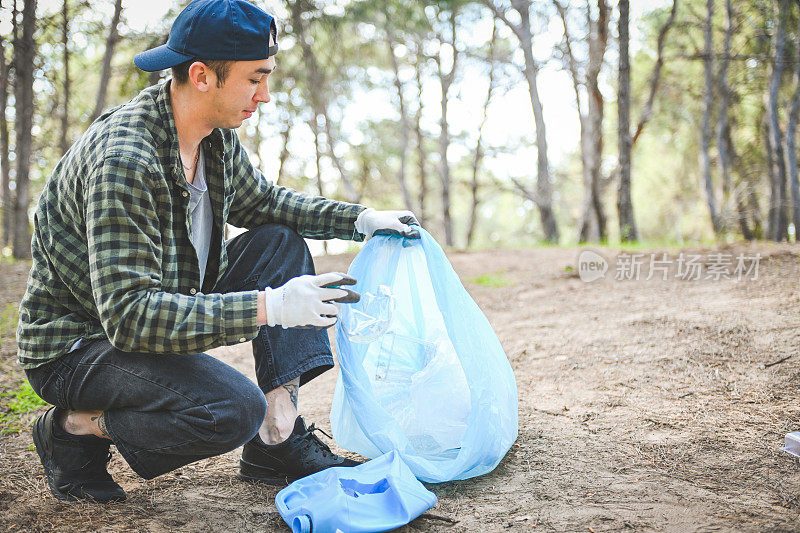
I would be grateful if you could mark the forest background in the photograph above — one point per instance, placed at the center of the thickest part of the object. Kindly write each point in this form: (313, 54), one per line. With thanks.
(499, 123)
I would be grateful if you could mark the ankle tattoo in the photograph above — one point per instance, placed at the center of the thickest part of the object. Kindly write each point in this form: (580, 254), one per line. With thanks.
(294, 391)
(101, 424)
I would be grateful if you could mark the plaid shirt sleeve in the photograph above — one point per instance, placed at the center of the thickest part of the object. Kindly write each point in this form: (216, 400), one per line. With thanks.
(258, 201)
(125, 267)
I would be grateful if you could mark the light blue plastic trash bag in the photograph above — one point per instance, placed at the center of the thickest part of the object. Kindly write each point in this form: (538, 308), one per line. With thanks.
(379, 495)
(421, 370)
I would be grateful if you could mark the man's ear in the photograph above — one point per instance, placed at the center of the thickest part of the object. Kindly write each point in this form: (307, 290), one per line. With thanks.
(201, 76)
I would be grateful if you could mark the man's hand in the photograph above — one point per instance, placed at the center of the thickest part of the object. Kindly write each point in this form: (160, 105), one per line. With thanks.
(371, 222)
(308, 300)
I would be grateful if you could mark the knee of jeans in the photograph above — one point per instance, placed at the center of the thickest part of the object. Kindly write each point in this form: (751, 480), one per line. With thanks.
(291, 243)
(242, 416)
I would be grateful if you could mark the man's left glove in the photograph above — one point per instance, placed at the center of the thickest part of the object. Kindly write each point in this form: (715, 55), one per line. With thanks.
(371, 222)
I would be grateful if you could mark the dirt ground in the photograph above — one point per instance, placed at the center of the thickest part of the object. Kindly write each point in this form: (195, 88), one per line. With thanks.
(643, 405)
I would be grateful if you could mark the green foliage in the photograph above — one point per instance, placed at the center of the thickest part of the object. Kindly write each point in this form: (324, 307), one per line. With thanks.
(24, 400)
(350, 44)
(21, 402)
(492, 280)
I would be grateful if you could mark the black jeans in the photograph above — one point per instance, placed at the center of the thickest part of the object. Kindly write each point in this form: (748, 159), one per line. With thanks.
(164, 411)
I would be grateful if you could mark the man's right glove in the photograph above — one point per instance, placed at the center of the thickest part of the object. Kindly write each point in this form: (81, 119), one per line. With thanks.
(308, 300)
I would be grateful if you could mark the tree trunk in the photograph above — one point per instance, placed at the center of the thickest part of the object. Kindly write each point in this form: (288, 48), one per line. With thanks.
(741, 189)
(627, 223)
(479, 150)
(593, 221)
(777, 211)
(572, 66)
(105, 73)
(318, 157)
(64, 143)
(404, 128)
(543, 186)
(655, 77)
(543, 196)
(24, 55)
(705, 137)
(723, 124)
(421, 153)
(5, 163)
(319, 106)
(350, 192)
(285, 135)
(791, 148)
(446, 80)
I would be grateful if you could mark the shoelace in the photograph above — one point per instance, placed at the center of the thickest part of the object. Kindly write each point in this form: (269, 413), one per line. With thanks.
(310, 439)
(98, 465)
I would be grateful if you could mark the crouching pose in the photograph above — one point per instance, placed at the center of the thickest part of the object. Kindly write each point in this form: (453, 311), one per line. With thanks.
(132, 279)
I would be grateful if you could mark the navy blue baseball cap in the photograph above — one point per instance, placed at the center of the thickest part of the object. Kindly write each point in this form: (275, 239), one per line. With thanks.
(230, 30)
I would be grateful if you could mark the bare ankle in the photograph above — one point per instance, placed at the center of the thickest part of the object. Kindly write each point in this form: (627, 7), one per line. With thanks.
(272, 432)
(85, 423)
(281, 413)
(68, 423)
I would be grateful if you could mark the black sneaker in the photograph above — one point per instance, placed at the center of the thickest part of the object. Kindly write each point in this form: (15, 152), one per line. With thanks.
(300, 455)
(76, 465)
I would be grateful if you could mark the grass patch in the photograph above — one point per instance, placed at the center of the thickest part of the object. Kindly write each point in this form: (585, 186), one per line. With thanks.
(22, 401)
(493, 280)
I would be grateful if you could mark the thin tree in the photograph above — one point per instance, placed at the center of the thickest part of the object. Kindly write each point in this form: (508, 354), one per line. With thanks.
(654, 81)
(791, 146)
(446, 79)
(5, 163)
(722, 116)
(593, 220)
(593, 223)
(655, 76)
(65, 68)
(286, 133)
(725, 147)
(627, 222)
(108, 55)
(777, 212)
(542, 197)
(480, 150)
(319, 104)
(8, 199)
(422, 155)
(708, 102)
(314, 124)
(24, 55)
(401, 103)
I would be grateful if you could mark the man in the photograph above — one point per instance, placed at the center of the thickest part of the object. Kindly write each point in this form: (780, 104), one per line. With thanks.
(132, 280)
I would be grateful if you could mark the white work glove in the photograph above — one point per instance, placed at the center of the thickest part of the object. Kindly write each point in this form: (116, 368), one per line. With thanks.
(371, 222)
(308, 300)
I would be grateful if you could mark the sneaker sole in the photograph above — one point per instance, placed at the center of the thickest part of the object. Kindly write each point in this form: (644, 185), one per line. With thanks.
(259, 474)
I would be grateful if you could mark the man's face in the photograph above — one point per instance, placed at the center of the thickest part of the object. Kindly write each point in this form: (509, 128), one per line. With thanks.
(246, 86)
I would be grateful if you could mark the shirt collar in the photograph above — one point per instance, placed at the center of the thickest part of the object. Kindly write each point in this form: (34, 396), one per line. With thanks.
(166, 136)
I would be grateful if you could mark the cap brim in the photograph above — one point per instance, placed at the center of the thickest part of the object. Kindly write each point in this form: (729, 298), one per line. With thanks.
(159, 58)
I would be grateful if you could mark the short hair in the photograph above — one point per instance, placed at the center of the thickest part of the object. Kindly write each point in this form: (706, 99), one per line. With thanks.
(220, 67)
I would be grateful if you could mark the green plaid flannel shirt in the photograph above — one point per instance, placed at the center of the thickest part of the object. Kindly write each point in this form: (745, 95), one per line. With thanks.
(112, 256)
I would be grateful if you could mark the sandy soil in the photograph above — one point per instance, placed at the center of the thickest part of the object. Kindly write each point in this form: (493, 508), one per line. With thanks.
(643, 405)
